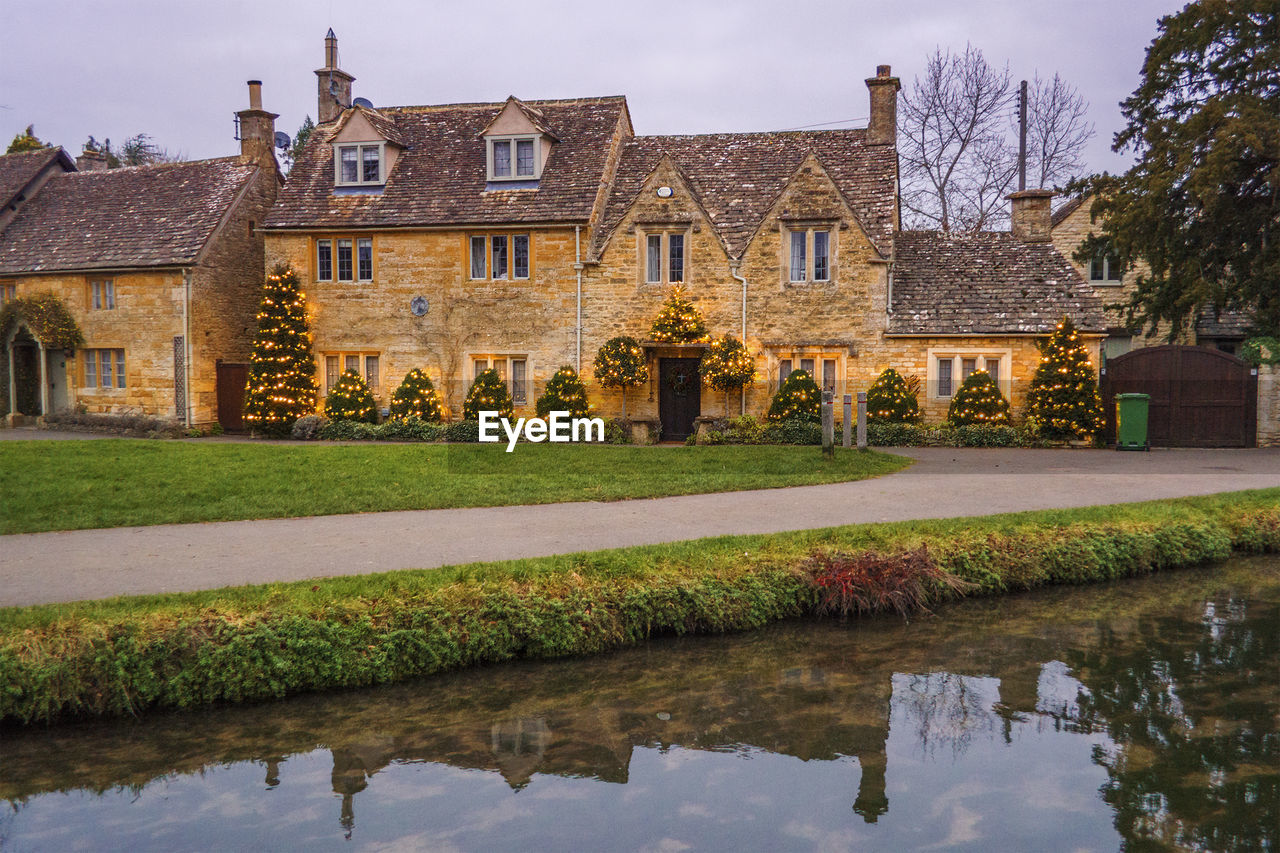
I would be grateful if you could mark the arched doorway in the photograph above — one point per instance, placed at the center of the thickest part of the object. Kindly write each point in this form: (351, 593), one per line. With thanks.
(25, 374)
(38, 335)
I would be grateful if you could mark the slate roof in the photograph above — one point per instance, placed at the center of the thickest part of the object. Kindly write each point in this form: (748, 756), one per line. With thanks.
(18, 170)
(986, 283)
(143, 216)
(440, 178)
(738, 177)
(1064, 210)
(1227, 323)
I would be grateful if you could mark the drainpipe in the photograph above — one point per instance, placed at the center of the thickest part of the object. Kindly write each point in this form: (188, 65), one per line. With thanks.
(733, 271)
(186, 344)
(577, 265)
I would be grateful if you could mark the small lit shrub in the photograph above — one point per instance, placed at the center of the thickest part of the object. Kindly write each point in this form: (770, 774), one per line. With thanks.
(416, 397)
(798, 398)
(350, 400)
(889, 400)
(488, 394)
(978, 401)
(564, 393)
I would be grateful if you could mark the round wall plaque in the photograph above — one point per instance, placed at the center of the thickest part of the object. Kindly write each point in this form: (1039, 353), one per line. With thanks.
(665, 192)
(419, 305)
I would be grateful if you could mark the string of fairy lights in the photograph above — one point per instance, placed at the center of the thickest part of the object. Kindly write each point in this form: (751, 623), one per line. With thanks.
(1063, 396)
(282, 370)
(488, 394)
(564, 393)
(416, 397)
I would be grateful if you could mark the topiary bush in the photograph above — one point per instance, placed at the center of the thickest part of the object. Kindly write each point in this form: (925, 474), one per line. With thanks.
(1063, 397)
(416, 398)
(798, 398)
(621, 364)
(350, 400)
(978, 401)
(890, 400)
(727, 366)
(488, 394)
(564, 393)
(679, 321)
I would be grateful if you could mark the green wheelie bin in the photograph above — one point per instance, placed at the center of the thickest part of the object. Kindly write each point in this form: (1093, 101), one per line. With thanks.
(1131, 421)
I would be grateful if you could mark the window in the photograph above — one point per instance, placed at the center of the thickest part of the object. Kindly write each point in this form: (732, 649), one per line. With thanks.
(784, 370)
(344, 259)
(514, 158)
(823, 366)
(103, 368)
(948, 368)
(507, 256)
(364, 259)
(365, 364)
(944, 378)
(359, 165)
(665, 259)
(806, 364)
(102, 294)
(8, 292)
(809, 253)
(829, 374)
(514, 366)
(1105, 267)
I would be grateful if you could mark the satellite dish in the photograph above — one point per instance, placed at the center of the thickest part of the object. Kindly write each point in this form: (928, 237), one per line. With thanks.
(362, 102)
(419, 305)
(282, 140)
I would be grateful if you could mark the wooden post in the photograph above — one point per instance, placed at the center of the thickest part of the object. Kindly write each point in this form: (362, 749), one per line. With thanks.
(848, 421)
(862, 420)
(828, 424)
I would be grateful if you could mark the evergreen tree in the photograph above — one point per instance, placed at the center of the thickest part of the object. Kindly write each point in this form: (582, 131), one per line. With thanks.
(1201, 204)
(679, 321)
(727, 366)
(350, 400)
(1064, 392)
(978, 401)
(282, 371)
(889, 400)
(621, 364)
(26, 141)
(299, 141)
(488, 394)
(798, 399)
(564, 393)
(416, 398)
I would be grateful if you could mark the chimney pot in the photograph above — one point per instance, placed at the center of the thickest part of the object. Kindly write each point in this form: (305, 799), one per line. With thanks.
(255, 94)
(1031, 218)
(882, 71)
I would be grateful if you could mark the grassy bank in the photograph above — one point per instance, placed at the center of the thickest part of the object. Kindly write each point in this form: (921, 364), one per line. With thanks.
(252, 643)
(68, 485)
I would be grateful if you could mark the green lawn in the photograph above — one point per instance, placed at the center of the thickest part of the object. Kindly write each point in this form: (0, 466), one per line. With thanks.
(68, 485)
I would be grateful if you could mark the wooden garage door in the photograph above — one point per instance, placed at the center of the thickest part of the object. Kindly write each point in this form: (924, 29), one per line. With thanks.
(232, 379)
(1200, 397)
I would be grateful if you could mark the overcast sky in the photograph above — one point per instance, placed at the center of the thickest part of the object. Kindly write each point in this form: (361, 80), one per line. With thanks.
(176, 70)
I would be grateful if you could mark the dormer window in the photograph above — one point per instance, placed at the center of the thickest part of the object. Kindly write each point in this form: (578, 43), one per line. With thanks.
(359, 165)
(514, 158)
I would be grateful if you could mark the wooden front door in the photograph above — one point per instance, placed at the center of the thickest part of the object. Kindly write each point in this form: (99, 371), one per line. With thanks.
(1200, 397)
(232, 379)
(679, 397)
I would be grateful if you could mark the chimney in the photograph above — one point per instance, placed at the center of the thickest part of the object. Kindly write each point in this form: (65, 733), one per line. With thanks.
(257, 129)
(1030, 221)
(91, 161)
(883, 127)
(333, 85)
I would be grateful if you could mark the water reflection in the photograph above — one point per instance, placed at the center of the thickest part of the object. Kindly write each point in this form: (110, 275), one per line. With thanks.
(1140, 715)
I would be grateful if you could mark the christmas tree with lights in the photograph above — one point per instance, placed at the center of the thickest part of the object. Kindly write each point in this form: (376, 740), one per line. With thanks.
(282, 371)
(488, 394)
(798, 399)
(621, 364)
(679, 321)
(1064, 391)
(727, 366)
(564, 393)
(889, 400)
(978, 401)
(416, 398)
(350, 400)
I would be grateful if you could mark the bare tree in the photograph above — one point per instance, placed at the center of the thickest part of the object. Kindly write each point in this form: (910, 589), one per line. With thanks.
(958, 140)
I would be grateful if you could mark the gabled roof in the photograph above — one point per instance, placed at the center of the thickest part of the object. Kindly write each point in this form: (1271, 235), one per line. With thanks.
(739, 176)
(381, 125)
(534, 116)
(17, 171)
(440, 178)
(144, 216)
(986, 283)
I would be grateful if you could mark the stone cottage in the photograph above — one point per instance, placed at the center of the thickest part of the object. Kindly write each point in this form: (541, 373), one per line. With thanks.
(522, 235)
(159, 266)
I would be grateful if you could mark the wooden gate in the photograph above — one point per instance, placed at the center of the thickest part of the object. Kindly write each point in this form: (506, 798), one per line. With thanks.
(1200, 397)
(679, 397)
(232, 379)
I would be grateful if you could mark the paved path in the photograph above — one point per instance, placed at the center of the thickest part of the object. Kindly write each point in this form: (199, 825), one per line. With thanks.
(47, 567)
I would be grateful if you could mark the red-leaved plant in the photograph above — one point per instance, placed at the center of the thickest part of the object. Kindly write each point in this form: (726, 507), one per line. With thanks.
(870, 582)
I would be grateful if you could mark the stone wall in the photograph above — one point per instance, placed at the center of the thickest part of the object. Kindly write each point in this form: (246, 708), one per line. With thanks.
(1269, 405)
(225, 292)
